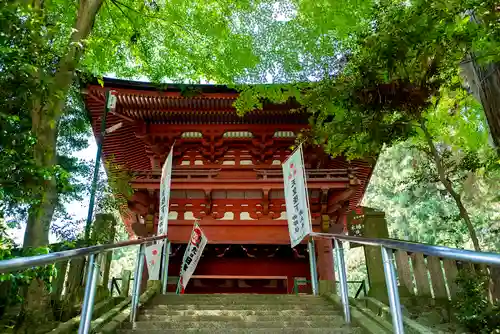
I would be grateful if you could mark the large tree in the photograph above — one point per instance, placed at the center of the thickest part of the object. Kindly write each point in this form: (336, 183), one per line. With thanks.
(378, 70)
(406, 183)
(375, 58)
(174, 40)
(375, 66)
(24, 53)
(47, 104)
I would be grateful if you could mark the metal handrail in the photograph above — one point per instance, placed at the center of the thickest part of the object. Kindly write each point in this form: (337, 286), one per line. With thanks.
(387, 247)
(41, 260)
(414, 247)
(93, 270)
(362, 286)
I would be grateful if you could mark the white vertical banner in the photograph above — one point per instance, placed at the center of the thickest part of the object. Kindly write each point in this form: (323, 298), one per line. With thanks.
(166, 180)
(153, 260)
(296, 197)
(192, 256)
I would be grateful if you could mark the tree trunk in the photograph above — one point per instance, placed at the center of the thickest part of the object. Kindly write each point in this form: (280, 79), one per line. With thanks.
(484, 82)
(46, 112)
(40, 216)
(449, 187)
(36, 314)
(45, 118)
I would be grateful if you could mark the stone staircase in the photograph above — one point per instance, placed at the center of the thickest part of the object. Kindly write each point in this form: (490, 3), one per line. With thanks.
(239, 314)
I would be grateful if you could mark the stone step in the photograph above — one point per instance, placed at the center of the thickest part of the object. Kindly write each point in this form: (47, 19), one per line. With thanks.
(165, 312)
(233, 302)
(297, 330)
(175, 300)
(240, 296)
(246, 295)
(220, 326)
(244, 318)
(262, 307)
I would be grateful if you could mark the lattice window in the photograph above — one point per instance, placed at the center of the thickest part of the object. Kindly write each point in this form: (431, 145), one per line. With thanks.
(192, 135)
(237, 134)
(284, 134)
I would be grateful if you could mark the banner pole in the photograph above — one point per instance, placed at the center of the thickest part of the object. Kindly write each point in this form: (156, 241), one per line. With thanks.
(165, 263)
(310, 243)
(312, 264)
(97, 165)
(177, 291)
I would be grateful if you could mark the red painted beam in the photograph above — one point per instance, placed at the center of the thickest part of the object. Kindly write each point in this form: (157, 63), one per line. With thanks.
(241, 184)
(206, 221)
(158, 129)
(234, 234)
(249, 267)
(164, 94)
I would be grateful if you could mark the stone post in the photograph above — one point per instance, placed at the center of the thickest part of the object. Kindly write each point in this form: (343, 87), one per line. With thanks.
(375, 226)
(75, 277)
(106, 267)
(125, 283)
(74, 291)
(58, 281)
(103, 233)
(495, 284)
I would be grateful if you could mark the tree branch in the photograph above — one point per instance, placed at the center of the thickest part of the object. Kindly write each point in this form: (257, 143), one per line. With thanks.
(112, 18)
(448, 185)
(116, 2)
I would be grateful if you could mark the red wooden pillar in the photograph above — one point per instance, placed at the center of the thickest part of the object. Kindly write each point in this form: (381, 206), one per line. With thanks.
(290, 282)
(325, 259)
(145, 275)
(325, 266)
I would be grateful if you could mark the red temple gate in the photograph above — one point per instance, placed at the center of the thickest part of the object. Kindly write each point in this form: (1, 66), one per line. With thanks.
(226, 173)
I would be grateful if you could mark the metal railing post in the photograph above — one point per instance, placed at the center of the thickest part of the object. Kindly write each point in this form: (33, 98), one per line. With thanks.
(164, 277)
(344, 291)
(136, 274)
(88, 299)
(312, 265)
(137, 283)
(392, 290)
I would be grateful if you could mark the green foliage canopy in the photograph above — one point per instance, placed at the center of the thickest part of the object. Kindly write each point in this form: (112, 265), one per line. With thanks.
(386, 61)
(24, 58)
(406, 185)
(41, 49)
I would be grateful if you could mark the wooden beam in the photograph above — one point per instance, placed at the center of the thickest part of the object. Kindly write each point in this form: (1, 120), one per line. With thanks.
(234, 234)
(241, 184)
(341, 196)
(248, 267)
(163, 93)
(117, 114)
(236, 277)
(208, 221)
(222, 128)
(90, 94)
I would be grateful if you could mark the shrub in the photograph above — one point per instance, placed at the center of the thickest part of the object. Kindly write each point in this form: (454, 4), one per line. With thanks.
(474, 310)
